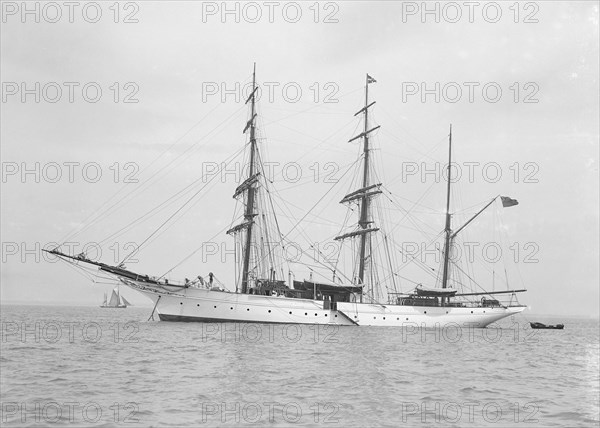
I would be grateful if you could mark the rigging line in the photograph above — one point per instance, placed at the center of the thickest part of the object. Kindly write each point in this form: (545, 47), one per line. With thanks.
(415, 221)
(79, 269)
(88, 271)
(311, 257)
(442, 140)
(332, 113)
(321, 142)
(325, 222)
(193, 252)
(516, 264)
(329, 107)
(171, 216)
(209, 185)
(407, 212)
(483, 266)
(156, 235)
(144, 169)
(349, 213)
(303, 252)
(434, 239)
(430, 210)
(279, 235)
(313, 107)
(305, 182)
(163, 204)
(475, 206)
(327, 138)
(156, 177)
(314, 269)
(418, 262)
(267, 190)
(276, 193)
(305, 235)
(403, 141)
(472, 280)
(140, 189)
(332, 267)
(393, 118)
(243, 149)
(406, 279)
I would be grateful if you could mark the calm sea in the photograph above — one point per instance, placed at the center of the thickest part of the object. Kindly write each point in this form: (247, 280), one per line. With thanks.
(82, 366)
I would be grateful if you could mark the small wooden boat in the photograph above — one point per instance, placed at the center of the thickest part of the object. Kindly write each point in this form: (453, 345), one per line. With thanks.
(539, 325)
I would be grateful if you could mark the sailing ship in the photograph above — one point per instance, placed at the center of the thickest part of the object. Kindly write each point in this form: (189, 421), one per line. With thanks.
(116, 300)
(262, 293)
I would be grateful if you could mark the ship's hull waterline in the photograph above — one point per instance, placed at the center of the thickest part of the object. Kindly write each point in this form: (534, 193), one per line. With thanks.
(202, 305)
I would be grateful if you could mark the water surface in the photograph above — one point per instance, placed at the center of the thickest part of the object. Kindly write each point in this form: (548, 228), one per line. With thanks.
(82, 366)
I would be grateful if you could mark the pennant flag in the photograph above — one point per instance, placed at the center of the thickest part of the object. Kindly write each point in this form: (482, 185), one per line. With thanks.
(370, 79)
(508, 202)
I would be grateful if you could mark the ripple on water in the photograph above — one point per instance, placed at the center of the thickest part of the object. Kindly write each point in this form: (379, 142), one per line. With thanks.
(367, 376)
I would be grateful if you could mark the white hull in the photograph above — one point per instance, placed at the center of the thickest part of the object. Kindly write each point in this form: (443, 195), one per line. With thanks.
(195, 304)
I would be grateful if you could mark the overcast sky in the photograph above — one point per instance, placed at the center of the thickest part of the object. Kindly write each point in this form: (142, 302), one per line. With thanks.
(540, 131)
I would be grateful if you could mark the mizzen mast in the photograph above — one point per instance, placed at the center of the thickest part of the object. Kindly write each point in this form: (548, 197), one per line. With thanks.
(447, 229)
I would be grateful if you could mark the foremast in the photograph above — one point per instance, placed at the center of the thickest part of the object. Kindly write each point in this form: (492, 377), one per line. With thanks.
(249, 209)
(364, 194)
(257, 250)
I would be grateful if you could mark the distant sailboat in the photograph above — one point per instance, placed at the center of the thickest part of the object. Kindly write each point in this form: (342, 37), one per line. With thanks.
(116, 300)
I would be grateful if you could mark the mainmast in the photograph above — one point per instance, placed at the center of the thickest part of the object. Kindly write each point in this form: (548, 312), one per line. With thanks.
(367, 191)
(364, 203)
(447, 229)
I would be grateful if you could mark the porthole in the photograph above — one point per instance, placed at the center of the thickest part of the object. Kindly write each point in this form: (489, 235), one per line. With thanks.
(215, 307)
(231, 308)
(181, 303)
(198, 304)
(397, 319)
(269, 310)
(446, 311)
(336, 316)
(425, 311)
(305, 313)
(290, 312)
(406, 319)
(374, 318)
(315, 314)
(471, 311)
(248, 309)
(383, 317)
(325, 314)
